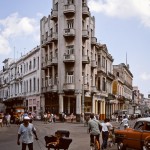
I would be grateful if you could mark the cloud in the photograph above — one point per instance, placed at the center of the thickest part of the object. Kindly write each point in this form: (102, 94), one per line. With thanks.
(13, 27)
(145, 76)
(123, 9)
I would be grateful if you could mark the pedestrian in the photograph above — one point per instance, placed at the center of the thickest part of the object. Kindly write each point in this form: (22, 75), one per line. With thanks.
(71, 117)
(1, 120)
(7, 117)
(26, 131)
(125, 122)
(93, 127)
(105, 134)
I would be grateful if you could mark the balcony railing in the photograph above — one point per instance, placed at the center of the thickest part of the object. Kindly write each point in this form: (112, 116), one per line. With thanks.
(54, 14)
(69, 9)
(85, 34)
(93, 40)
(93, 63)
(85, 11)
(69, 32)
(54, 36)
(69, 58)
(85, 59)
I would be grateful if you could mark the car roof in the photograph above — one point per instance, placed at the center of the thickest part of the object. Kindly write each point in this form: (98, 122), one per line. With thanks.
(144, 119)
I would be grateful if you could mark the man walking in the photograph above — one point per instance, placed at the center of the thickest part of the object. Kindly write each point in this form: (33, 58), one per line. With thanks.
(26, 131)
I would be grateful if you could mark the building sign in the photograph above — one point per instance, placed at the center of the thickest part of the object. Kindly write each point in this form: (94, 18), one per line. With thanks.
(114, 87)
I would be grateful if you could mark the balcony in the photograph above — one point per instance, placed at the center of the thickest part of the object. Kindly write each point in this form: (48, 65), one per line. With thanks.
(49, 62)
(85, 59)
(69, 83)
(85, 34)
(86, 87)
(49, 89)
(69, 32)
(69, 10)
(44, 89)
(93, 41)
(54, 88)
(54, 61)
(54, 15)
(69, 87)
(93, 63)
(44, 64)
(93, 89)
(54, 37)
(69, 58)
(101, 69)
(110, 76)
(85, 11)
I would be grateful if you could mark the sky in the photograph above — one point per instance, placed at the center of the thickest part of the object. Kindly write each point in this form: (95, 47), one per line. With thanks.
(123, 25)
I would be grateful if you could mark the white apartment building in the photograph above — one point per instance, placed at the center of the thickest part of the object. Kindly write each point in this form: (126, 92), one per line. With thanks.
(20, 82)
(77, 71)
(122, 86)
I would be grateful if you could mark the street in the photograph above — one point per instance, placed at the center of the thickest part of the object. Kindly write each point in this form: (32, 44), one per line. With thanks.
(78, 133)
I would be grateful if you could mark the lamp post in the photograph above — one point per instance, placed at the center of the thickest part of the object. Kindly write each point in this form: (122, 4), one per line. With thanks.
(82, 105)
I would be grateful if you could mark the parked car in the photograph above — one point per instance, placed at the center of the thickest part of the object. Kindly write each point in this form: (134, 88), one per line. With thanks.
(137, 137)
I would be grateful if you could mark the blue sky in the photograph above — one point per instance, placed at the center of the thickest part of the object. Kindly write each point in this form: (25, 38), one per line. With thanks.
(123, 25)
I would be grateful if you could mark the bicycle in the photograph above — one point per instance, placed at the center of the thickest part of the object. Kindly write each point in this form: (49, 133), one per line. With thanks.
(96, 145)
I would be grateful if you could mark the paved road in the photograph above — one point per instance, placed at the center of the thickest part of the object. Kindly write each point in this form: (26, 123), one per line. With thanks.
(8, 135)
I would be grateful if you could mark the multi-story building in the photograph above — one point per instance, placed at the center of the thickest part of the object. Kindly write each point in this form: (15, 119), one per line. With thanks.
(122, 86)
(77, 72)
(20, 82)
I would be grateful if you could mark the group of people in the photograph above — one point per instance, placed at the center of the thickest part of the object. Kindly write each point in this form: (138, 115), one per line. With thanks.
(49, 117)
(96, 127)
(5, 119)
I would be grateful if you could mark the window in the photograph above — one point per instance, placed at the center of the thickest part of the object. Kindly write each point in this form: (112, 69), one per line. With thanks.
(34, 101)
(103, 61)
(139, 125)
(70, 1)
(38, 62)
(34, 84)
(70, 23)
(30, 85)
(99, 60)
(34, 63)
(103, 85)
(70, 49)
(38, 85)
(30, 65)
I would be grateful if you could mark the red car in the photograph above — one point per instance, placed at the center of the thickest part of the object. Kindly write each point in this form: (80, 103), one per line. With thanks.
(137, 138)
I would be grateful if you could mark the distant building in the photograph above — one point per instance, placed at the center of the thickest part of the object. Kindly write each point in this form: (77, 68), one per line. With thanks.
(20, 82)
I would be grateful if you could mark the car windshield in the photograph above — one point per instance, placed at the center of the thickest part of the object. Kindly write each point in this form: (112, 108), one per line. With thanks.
(139, 125)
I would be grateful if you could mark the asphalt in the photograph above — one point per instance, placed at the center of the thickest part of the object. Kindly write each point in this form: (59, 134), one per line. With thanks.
(78, 134)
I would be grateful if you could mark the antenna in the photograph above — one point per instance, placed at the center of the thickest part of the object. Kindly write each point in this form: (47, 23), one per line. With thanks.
(126, 59)
(14, 53)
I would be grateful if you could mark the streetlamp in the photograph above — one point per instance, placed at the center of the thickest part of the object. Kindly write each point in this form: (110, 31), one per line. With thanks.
(82, 105)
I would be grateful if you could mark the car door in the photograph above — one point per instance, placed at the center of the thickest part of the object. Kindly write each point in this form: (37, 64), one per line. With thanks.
(133, 137)
(146, 131)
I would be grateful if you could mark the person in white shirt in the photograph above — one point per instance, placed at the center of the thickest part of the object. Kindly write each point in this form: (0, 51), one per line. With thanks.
(105, 133)
(26, 131)
(125, 122)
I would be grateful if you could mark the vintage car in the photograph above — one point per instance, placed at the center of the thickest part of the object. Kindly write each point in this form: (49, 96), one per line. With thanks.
(137, 137)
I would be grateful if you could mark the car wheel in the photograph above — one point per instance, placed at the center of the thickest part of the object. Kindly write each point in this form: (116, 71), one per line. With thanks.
(120, 146)
(144, 148)
(146, 145)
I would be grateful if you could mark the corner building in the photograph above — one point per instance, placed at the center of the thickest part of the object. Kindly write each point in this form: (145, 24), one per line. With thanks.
(74, 65)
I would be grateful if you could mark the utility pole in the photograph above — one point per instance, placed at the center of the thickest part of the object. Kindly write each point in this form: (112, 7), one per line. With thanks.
(82, 109)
